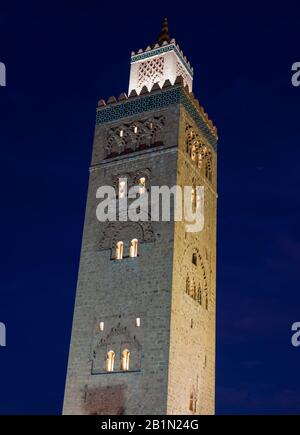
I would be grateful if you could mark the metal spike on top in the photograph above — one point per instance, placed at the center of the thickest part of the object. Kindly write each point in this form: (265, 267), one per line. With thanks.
(164, 34)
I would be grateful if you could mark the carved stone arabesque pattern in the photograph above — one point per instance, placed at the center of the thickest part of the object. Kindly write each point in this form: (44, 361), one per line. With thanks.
(180, 71)
(115, 231)
(117, 340)
(130, 137)
(150, 72)
(196, 284)
(198, 151)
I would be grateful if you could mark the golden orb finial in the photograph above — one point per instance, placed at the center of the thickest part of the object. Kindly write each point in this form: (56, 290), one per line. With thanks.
(164, 34)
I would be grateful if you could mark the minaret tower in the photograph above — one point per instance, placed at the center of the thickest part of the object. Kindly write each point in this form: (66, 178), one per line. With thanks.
(143, 336)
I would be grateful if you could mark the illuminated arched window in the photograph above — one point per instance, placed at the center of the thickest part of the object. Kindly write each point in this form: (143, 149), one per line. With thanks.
(125, 359)
(119, 250)
(199, 160)
(110, 361)
(142, 185)
(133, 248)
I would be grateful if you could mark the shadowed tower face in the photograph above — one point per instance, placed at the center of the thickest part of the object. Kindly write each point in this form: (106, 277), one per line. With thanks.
(143, 336)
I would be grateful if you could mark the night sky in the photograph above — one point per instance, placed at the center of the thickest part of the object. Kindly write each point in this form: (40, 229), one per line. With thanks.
(61, 57)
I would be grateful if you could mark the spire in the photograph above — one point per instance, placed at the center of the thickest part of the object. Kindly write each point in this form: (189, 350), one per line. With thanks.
(164, 34)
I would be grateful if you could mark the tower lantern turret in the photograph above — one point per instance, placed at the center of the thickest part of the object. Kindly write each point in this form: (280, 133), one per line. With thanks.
(158, 63)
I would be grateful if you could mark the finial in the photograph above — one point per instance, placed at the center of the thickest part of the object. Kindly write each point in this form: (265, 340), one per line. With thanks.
(164, 34)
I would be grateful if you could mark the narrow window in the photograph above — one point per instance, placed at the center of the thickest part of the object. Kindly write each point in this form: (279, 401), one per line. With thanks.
(119, 250)
(138, 322)
(135, 129)
(133, 248)
(206, 302)
(125, 359)
(194, 259)
(101, 326)
(199, 160)
(191, 404)
(142, 185)
(121, 133)
(110, 361)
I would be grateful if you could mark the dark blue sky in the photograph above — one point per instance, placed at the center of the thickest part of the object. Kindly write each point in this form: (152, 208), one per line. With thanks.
(61, 57)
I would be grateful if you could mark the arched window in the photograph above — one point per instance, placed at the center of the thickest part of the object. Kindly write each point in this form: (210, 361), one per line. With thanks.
(142, 185)
(199, 160)
(125, 359)
(110, 361)
(133, 248)
(194, 259)
(206, 302)
(192, 403)
(119, 250)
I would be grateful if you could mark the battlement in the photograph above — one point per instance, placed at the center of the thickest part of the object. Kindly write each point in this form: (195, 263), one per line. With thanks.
(158, 97)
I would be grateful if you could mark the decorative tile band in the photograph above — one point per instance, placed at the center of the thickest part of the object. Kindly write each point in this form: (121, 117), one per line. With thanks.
(161, 50)
(154, 101)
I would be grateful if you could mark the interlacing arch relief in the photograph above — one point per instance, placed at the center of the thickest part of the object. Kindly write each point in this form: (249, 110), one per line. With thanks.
(134, 136)
(196, 288)
(132, 178)
(198, 151)
(117, 339)
(113, 232)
